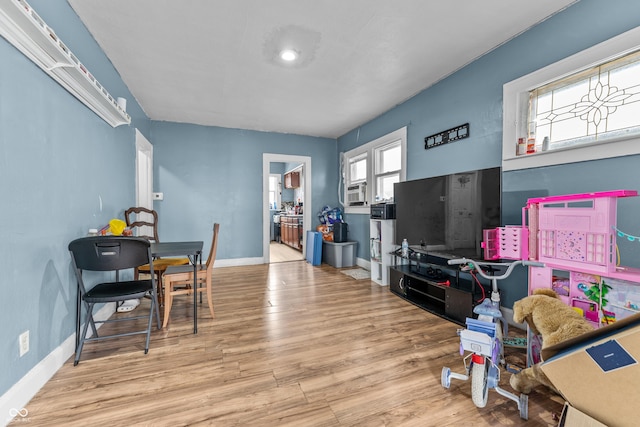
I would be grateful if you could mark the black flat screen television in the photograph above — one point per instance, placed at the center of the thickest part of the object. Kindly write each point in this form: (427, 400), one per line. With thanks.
(445, 215)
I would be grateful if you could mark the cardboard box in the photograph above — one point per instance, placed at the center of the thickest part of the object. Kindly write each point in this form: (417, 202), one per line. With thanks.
(572, 417)
(598, 373)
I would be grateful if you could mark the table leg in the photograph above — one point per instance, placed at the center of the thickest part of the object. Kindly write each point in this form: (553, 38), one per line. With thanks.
(78, 316)
(159, 289)
(195, 298)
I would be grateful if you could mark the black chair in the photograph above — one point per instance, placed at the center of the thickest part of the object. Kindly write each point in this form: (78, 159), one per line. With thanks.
(111, 253)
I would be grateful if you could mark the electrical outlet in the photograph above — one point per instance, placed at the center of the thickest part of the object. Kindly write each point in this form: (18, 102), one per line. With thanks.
(24, 343)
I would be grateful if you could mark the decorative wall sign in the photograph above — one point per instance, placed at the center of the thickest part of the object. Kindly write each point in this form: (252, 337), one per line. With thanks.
(441, 138)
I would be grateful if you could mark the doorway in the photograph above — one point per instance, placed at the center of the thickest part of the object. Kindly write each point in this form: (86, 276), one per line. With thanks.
(274, 251)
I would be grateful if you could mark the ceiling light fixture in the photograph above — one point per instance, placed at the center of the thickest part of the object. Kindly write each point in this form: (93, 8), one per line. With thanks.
(288, 55)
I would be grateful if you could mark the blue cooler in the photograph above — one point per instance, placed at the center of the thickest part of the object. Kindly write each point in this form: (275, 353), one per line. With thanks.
(314, 247)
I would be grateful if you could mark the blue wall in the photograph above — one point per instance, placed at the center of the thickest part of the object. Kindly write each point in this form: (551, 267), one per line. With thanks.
(212, 174)
(63, 170)
(474, 95)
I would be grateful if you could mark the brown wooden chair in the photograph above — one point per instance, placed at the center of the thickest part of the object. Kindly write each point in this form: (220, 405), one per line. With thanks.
(178, 280)
(143, 222)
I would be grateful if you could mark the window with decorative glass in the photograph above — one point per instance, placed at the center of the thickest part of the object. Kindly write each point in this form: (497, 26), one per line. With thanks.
(583, 107)
(595, 105)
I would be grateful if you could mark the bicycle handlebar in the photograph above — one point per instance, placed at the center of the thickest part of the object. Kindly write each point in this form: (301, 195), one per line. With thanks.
(476, 265)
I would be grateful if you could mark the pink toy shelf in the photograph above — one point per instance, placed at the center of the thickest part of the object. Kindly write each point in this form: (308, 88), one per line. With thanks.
(577, 232)
(575, 237)
(508, 242)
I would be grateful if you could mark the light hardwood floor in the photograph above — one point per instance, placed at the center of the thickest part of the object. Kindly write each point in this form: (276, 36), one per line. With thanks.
(291, 345)
(279, 252)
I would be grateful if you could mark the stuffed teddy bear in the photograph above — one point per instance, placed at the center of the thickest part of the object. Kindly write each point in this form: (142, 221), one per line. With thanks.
(552, 319)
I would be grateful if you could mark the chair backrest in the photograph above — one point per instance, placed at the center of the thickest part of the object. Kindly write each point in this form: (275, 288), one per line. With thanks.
(214, 247)
(109, 253)
(144, 220)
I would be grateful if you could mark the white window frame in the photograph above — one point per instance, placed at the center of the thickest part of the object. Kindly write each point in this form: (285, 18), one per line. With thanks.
(377, 155)
(515, 108)
(353, 159)
(278, 190)
(368, 150)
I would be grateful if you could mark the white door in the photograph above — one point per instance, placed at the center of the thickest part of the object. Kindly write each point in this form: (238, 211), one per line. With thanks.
(144, 176)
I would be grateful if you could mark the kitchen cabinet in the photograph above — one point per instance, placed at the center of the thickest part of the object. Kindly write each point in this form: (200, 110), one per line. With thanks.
(292, 180)
(285, 231)
(291, 231)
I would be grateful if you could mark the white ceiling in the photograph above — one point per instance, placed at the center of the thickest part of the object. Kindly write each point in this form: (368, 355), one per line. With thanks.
(214, 62)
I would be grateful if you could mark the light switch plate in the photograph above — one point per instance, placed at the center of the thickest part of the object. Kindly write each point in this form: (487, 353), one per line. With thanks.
(158, 196)
(23, 341)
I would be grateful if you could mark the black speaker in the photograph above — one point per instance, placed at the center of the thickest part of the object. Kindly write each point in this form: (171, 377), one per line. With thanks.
(340, 232)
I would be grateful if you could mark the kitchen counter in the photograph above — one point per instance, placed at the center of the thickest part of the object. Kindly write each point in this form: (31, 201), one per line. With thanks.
(291, 230)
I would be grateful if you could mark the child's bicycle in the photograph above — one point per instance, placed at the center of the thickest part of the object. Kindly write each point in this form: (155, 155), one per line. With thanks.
(483, 338)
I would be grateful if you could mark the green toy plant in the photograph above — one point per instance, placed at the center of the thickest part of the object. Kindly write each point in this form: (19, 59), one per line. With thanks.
(597, 293)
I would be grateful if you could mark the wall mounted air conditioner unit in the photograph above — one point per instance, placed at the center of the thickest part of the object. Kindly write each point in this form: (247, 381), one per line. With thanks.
(21, 26)
(357, 194)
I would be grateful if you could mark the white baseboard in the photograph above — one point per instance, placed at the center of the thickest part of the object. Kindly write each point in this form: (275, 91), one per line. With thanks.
(238, 262)
(15, 401)
(366, 264)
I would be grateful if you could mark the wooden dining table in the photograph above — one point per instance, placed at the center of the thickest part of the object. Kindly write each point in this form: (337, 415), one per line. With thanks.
(190, 249)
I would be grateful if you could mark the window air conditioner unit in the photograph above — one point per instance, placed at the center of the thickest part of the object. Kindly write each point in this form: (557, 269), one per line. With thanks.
(357, 194)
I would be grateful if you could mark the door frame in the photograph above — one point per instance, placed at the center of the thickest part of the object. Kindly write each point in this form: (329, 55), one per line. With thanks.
(267, 159)
(144, 177)
(144, 171)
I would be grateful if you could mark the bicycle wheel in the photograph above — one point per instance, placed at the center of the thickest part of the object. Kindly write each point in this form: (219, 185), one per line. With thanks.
(524, 406)
(479, 384)
(445, 377)
(498, 356)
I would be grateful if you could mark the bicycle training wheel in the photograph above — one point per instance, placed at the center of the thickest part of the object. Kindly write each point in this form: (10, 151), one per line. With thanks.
(445, 377)
(479, 384)
(523, 403)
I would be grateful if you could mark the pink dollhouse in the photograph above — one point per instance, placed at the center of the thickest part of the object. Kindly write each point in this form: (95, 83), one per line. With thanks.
(575, 237)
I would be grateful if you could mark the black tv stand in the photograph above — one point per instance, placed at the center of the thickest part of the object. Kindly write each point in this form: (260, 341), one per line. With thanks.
(428, 282)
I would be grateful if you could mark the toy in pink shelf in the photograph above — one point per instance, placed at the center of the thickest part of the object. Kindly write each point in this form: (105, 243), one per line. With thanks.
(588, 309)
(622, 299)
(632, 306)
(580, 284)
(561, 285)
(571, 245)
